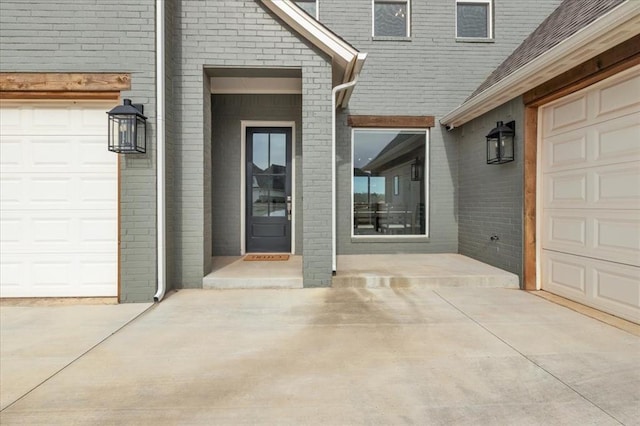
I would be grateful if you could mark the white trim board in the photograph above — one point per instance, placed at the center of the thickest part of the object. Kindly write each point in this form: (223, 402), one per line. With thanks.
(243, 179)
(256, 85)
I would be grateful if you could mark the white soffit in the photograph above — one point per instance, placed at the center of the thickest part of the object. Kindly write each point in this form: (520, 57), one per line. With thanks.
(255, 85)
(617, 26)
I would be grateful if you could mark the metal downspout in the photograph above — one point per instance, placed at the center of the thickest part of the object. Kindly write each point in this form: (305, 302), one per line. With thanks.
(334, 93)
(160, 154)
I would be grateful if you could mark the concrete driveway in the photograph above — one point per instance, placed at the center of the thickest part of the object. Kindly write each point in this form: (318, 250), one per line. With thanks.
(323, 356)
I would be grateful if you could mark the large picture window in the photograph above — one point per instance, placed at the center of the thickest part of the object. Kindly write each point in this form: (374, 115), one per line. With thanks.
(391, 18)
(474, 19)
(390, 182)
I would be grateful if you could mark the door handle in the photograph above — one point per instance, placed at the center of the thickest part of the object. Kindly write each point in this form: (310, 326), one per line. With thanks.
(289, 207)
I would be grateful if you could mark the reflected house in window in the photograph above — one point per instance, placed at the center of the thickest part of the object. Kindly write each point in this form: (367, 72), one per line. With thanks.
(387, 200)
(269, 190)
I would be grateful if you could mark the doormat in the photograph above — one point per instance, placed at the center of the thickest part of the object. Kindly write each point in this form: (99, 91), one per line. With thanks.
(266, 257)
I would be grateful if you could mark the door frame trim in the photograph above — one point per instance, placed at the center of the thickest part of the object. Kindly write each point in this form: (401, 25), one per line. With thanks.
(244, 124)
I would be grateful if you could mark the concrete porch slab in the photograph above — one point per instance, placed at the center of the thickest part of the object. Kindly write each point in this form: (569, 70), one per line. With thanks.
(420, 271)
(233, 272)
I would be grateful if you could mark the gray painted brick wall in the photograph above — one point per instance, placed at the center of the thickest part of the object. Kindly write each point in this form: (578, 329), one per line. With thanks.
(216, 34)
(491, 196)
(85, 36)
(429, 73)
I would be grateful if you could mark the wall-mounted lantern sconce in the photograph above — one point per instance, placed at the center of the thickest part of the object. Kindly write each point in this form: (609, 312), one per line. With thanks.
(500, 147)
(127, 128)
(416, 170)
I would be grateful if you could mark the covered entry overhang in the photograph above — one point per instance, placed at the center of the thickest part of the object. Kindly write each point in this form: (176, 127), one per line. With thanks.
(346, 64)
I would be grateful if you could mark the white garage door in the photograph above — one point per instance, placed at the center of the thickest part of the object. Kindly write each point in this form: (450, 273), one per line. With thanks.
(590, 199)
(59, 200)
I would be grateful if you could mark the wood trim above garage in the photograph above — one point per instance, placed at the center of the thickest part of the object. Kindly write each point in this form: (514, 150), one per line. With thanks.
(64, 82)
(392, 121)
(26, 85)
(88, 96)
(608, 63)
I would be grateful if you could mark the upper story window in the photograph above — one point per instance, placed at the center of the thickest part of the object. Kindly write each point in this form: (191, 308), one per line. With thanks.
(309, 6)
(474, 19)
(391, 18)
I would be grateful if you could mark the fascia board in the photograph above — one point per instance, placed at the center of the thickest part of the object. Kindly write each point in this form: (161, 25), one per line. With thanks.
(613, 28)
(343, 101)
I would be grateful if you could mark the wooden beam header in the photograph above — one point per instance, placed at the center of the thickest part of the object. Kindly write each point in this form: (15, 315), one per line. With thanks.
(619, 58)
(392, 121)
(64, 82)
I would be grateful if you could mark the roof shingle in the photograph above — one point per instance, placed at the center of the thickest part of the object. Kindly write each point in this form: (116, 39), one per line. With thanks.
(570, 17)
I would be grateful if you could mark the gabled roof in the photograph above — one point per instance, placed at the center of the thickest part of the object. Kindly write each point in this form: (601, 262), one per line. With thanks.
(575, 32)
(346, 59)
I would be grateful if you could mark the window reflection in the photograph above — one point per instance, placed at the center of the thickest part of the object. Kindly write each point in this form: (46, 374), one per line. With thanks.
(391, 18)
(387, 198)
(269, 174)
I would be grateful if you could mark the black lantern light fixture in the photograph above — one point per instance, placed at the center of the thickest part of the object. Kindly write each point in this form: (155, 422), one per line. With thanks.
(127, 128)
(500, 147)
(416, 170)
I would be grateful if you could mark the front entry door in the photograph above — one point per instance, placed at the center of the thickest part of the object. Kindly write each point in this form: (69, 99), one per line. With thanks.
(268, 190)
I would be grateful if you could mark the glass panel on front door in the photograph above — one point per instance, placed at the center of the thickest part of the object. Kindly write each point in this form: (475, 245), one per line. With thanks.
(269, 189)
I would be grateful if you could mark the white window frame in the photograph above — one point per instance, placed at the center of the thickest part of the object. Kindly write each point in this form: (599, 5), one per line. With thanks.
(373, 16)
(317, 2)
(425, 176)
(489, 3)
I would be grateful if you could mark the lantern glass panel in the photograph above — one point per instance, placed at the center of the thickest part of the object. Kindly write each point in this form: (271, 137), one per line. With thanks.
(506, 148)
(493, 153)
(141, 133)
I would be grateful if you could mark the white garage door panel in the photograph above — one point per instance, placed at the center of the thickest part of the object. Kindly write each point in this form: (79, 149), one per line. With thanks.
(54, 231)
(59, 275)
(617, 285)
(612, 235)
(605, 101)
(617, 97)
(605, 187)
(617, 186)
(590, 196)
(609, 286)
(565, 275)
(614, 141)
(565, 116)
(79, 191)
(59, 194)
(56, 154)
(54, 119)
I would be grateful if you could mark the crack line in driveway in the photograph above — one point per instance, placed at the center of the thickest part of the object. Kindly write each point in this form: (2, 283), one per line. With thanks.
(527, 358)
(79, 356)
